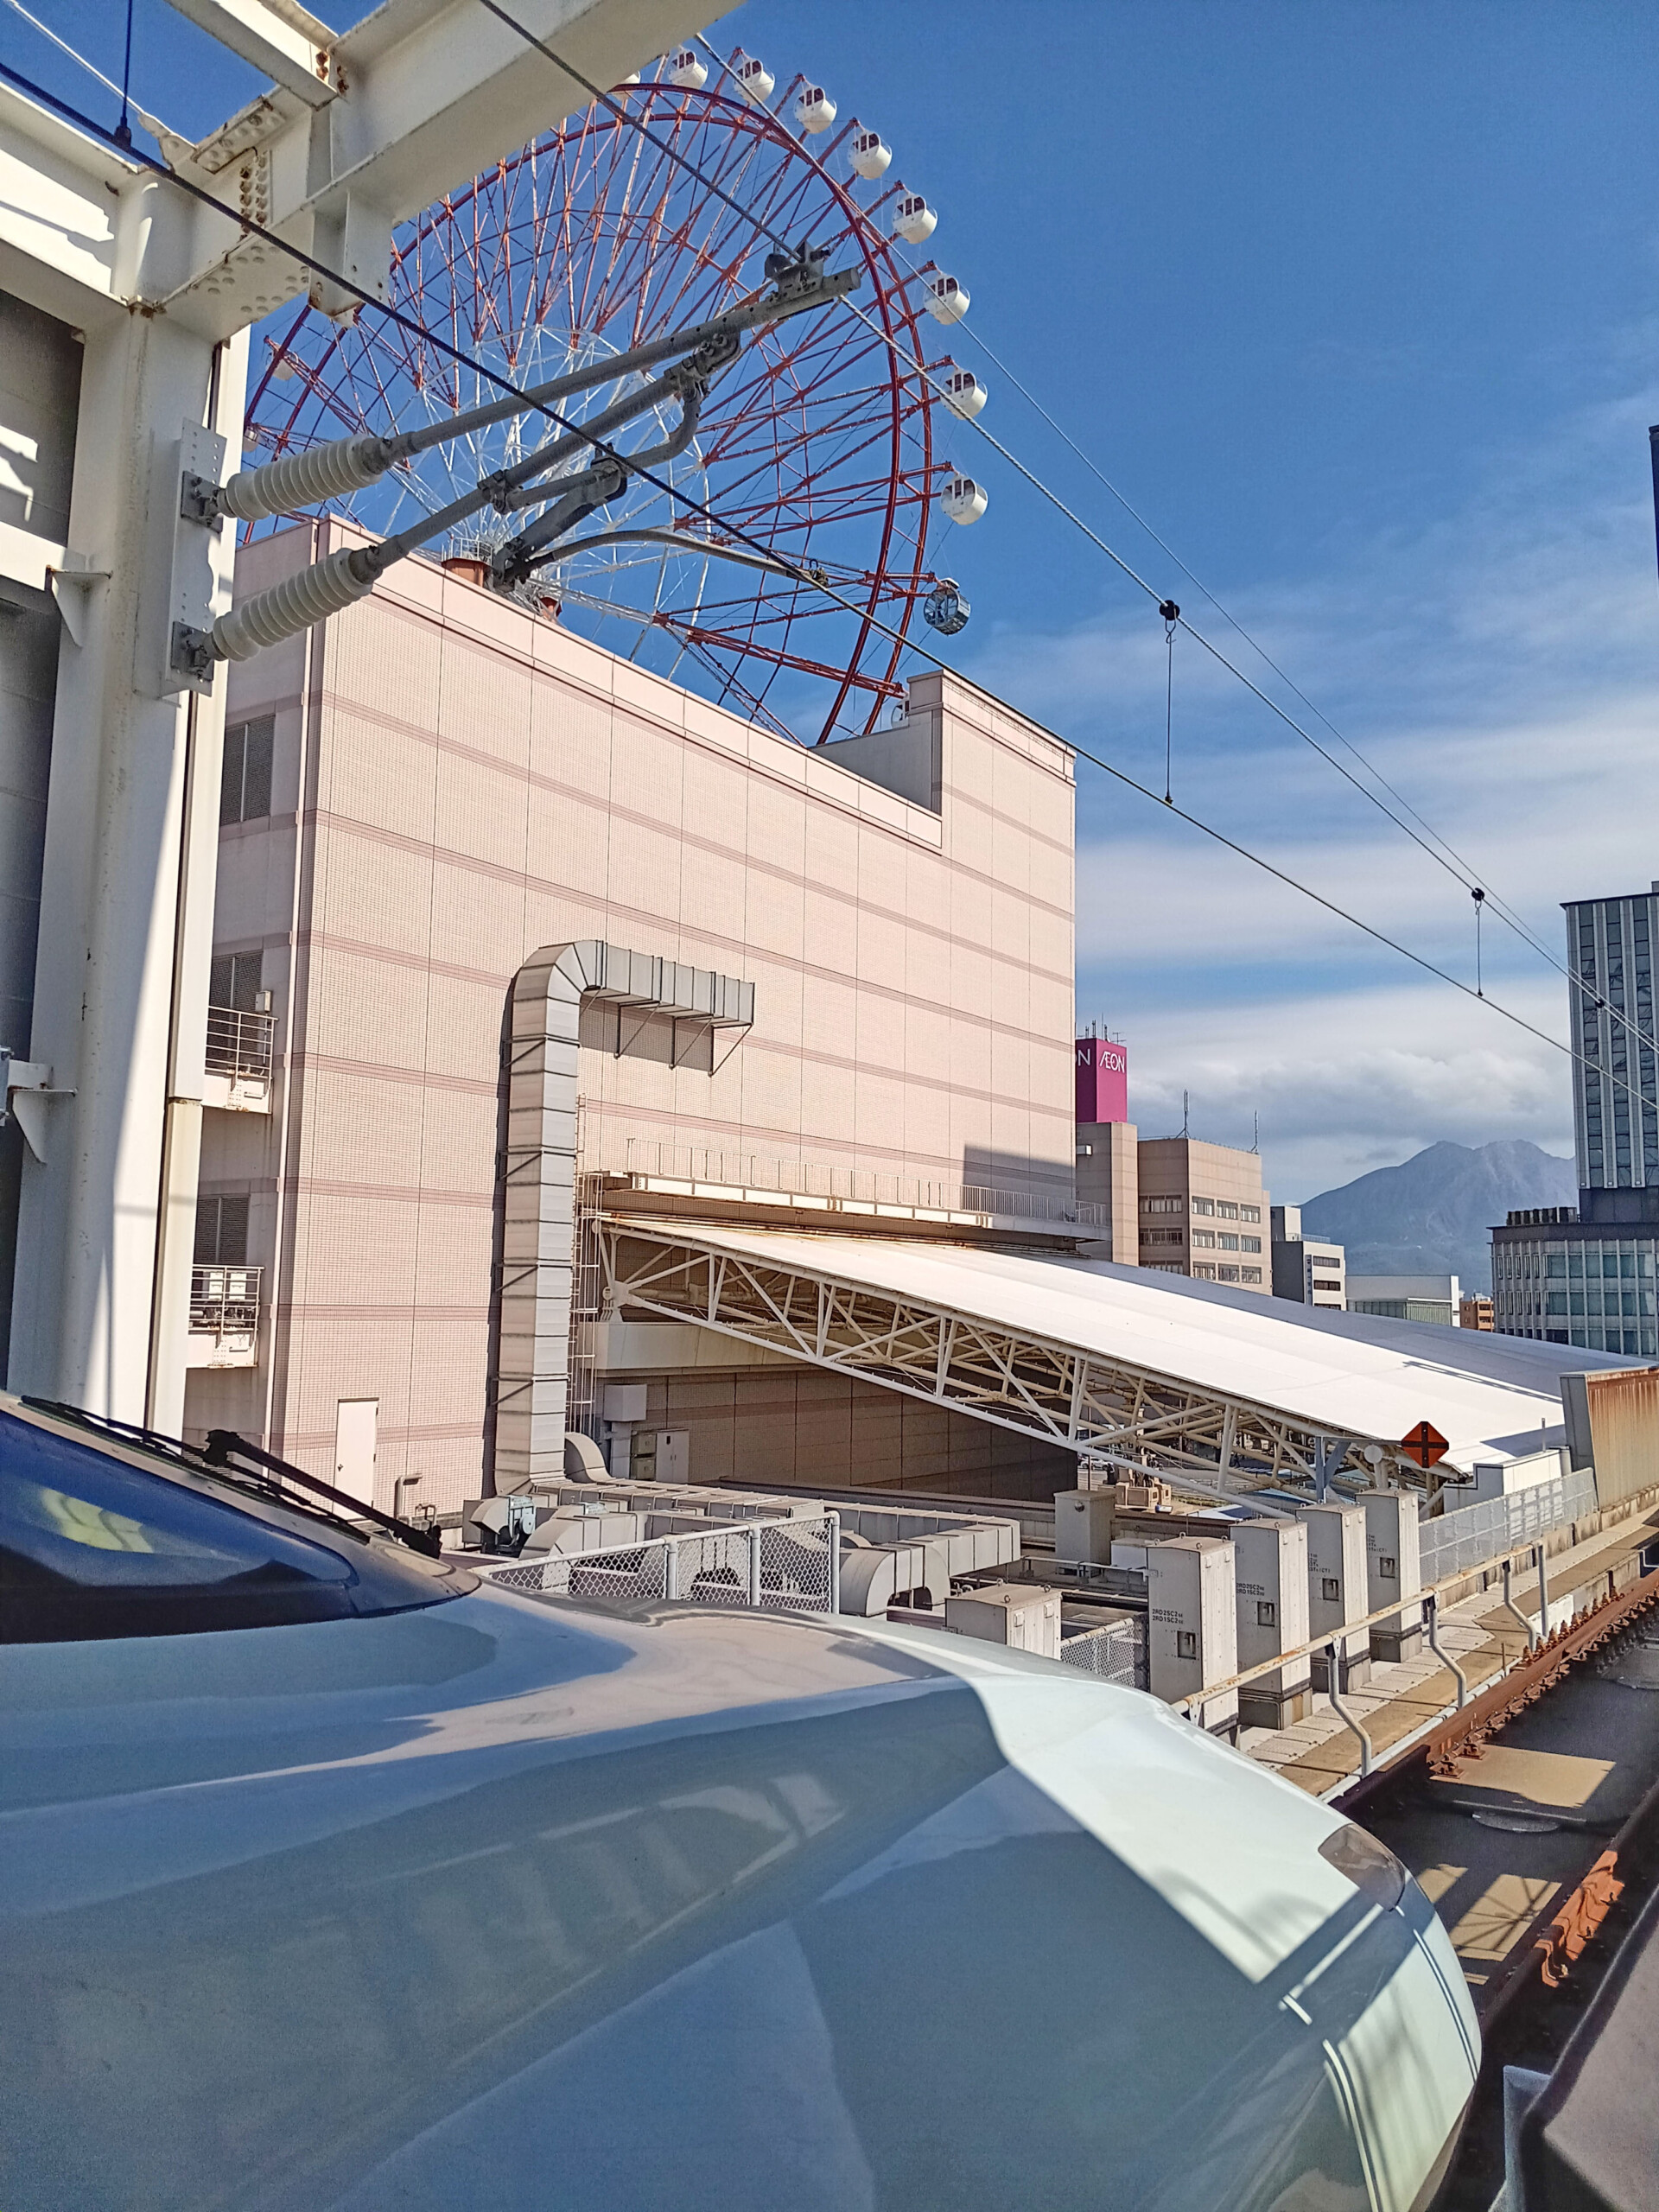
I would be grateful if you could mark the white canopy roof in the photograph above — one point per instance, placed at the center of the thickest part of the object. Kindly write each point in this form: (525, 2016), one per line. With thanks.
(1491, 1397)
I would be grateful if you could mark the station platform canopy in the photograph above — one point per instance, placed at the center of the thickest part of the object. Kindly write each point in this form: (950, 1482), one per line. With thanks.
(1136, 1370)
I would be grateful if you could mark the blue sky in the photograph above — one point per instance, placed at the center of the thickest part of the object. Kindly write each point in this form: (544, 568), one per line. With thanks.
(1357, 303)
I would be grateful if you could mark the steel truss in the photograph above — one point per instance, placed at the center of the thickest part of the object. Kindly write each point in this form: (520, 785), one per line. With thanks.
(1108, 1410)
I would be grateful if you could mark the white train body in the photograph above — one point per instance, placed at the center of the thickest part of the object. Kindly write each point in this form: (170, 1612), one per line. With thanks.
(491, 1903)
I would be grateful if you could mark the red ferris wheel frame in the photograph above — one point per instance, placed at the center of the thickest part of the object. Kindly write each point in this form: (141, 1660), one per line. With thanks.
(821, 445)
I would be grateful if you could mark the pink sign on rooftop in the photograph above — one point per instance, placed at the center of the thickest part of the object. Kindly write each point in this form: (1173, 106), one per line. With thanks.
(1103, 1080)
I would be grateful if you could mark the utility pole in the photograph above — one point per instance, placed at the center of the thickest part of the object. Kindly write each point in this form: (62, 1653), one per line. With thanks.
(359, 132)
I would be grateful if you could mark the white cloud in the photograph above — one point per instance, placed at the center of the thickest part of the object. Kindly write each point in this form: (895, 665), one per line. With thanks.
(1501, 669)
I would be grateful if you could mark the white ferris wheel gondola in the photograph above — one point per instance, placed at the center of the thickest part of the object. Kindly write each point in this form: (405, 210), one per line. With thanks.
(962, 500)
(869, 153)
(947, 299)
(687, 70)
(815, 111)
(964, 393)
(754, 80)
(913, 220)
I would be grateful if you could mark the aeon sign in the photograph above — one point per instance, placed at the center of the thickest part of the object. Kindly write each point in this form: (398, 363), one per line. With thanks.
(1103, 1080)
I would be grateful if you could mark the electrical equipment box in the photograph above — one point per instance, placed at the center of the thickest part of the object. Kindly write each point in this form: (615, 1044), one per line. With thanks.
(660, 1455)
(1393, 1569)
(1270, 1594)
(1019, 1615)
(1192, 1624)
(1083, 1526)
(1336, 1590)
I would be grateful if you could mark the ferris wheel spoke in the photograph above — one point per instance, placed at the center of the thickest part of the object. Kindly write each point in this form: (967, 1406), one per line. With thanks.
(817, 442)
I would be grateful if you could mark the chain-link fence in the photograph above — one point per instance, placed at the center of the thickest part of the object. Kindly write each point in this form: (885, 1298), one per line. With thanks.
(1460, 1542)
(1114, 1652)
(793, 1565)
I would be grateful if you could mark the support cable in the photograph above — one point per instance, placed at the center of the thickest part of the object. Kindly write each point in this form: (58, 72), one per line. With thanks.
(1446, 857)
(1171, 615)
(159, 167)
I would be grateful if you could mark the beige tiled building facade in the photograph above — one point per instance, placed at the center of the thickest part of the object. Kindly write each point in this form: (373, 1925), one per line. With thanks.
(419, 798)
(1204, 1212)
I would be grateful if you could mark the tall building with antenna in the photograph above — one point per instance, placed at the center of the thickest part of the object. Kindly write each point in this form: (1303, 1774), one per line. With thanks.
(1586, 1275)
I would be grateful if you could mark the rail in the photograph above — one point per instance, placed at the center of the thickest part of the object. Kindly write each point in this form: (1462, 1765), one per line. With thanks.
(791, 1566)
(1458, 1542)
(821, 1182)
(1317, 1643)
(225, 1300)
(239, 1043)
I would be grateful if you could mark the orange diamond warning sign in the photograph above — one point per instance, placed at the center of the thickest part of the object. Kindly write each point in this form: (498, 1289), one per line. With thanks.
(1424, 1445)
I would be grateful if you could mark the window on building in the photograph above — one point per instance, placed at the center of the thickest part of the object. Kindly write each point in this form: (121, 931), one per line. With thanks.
(1249, 1244)
(1086, 1152)
(1204, 1206)
(1162, 1205)
(1326, 1283)
(1226, 1274)
(1555, 1264)
(1332, 1586)
(222, 1231)
(1206, 1237)
(1204, 1273)
(1249, 1213)
(245, 784)
(1266, 1613)
(1227, 1208)
(1163, 1237)
(1187, 1644)
(1556, 1302)
(234, 980)
(1228, 1242)
(1251, 1274)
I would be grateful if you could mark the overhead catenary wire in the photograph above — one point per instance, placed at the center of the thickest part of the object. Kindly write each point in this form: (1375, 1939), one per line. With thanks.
(158, 130)
(199, 193)
(1446, 857)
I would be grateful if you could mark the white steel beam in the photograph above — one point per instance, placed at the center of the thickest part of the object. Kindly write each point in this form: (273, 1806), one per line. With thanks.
(420, 97)
(1061, 1393)
(282, 41)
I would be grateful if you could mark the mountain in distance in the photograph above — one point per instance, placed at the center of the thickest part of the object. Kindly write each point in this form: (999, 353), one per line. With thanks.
(1432, 1215)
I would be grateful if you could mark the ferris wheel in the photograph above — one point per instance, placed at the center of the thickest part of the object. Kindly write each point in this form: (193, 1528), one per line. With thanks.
(820, 445)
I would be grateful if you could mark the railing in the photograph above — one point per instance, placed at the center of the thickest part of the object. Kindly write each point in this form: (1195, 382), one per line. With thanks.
(822, 1181)
(239, 1043)
(787, 1566)
(1114, 1652)
(1458, 1542)
(225, 1300)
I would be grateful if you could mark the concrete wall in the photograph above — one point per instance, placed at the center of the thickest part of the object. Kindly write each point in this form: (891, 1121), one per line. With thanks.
(1109, 1176)
(792, 1424)
(457, 783)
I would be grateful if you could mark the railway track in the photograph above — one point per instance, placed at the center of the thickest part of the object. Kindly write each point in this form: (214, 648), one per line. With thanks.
(1531, 1818)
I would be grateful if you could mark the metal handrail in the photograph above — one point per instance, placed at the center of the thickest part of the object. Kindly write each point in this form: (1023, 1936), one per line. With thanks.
(225, 1299)
(1367, 1620)
(239, 1043)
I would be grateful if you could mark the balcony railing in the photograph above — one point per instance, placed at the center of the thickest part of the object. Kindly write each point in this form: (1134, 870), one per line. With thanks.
(239, 1045)
(224, 1302)
(818, 1182)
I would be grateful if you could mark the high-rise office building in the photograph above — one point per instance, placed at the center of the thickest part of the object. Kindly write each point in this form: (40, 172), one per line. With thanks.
(1586, 1275)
